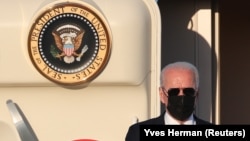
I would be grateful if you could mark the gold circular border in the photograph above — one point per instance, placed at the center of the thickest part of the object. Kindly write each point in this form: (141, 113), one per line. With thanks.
(99, 63)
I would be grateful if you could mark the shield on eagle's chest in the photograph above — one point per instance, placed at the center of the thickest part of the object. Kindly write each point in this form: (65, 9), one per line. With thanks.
(68, 49)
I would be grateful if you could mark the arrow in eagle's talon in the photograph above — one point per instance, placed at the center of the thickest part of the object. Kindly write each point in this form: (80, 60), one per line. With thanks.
(84, 49)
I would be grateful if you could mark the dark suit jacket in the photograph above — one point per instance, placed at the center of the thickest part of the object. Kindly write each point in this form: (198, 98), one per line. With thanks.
(133, 133)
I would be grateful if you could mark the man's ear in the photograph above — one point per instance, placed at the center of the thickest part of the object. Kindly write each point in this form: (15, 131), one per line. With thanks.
(197, 93)
(196, 97)
(162, 96)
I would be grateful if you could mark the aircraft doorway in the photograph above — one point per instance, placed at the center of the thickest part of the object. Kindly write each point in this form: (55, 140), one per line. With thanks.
(234, 48)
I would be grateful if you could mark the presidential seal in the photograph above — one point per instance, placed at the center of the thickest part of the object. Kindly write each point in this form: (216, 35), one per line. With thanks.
(70, 44)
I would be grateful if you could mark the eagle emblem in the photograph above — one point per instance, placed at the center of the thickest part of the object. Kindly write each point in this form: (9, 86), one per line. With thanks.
(68, 39)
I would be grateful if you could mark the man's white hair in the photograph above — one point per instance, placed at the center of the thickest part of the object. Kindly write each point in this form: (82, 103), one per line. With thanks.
(181, 65)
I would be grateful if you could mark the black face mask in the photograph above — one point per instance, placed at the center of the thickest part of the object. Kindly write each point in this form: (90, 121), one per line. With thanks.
(181, 107)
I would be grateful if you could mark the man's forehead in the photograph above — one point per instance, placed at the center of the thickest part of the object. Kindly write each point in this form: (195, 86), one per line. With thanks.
(172, 71)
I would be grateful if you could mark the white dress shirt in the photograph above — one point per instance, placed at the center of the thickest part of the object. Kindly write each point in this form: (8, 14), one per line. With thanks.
(169, 120)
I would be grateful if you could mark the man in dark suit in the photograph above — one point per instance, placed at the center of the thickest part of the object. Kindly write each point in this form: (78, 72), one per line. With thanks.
(178, 92)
